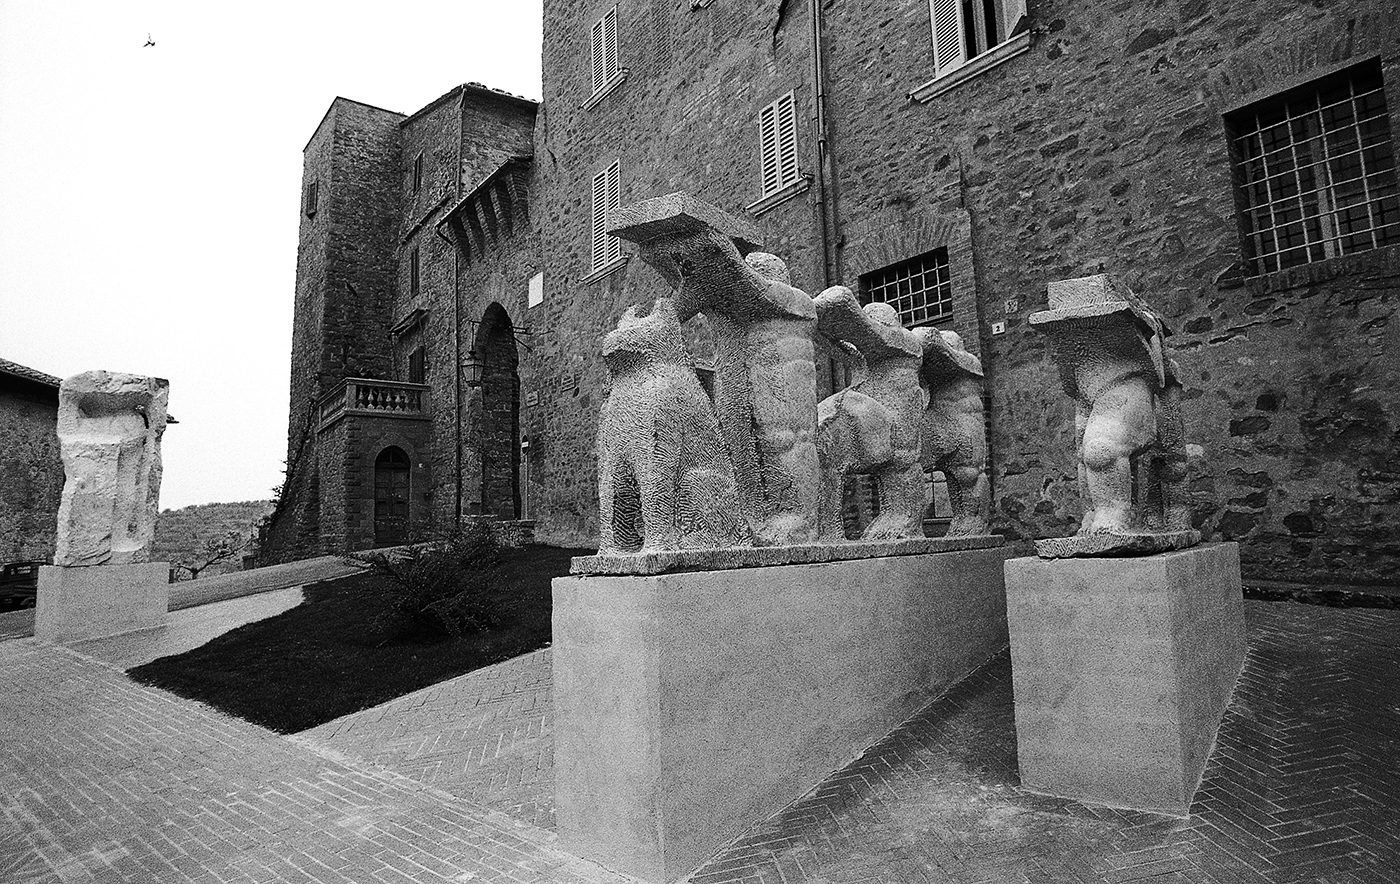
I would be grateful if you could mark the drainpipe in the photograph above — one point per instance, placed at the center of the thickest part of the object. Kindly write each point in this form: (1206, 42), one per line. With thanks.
(457, 323)
(824, 171)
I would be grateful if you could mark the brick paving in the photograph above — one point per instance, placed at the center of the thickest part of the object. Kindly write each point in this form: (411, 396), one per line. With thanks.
(105, 780)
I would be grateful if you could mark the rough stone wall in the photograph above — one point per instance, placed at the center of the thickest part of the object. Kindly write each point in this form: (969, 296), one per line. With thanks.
(31, 472)
(1103, 148)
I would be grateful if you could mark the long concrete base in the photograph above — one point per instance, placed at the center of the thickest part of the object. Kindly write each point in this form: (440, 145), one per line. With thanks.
(688, 706)
(73, 604)
(1121, 669)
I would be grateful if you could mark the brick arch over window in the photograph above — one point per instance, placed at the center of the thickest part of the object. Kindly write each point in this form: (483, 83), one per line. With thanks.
(498, 427)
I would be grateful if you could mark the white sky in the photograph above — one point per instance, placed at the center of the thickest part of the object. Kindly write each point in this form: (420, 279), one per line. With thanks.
(149, 195)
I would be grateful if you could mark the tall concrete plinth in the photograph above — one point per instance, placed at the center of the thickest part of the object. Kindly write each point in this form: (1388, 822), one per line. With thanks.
(1122, 668)
(689, 706)
(74, 604)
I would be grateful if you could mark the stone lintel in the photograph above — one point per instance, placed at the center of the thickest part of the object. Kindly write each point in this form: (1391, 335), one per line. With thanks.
(1106, 544)
(680, 214)
(674, 561)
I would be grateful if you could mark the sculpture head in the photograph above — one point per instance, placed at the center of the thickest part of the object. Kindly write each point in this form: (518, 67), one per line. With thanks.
(952, 339)
(645, 339)
(884, 314)
(769, 266)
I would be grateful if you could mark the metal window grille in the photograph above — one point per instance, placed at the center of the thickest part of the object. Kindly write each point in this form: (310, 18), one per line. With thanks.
(920, 289)
(777, 139)
(1315, 172)
(607, 195)
(413, 275)
(602, 50)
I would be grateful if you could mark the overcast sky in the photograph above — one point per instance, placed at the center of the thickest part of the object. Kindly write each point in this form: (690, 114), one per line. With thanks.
(149, 194)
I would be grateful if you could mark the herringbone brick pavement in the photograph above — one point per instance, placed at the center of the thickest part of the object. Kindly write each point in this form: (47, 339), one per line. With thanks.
(487, 736)
(1303, 786)
(105, 780)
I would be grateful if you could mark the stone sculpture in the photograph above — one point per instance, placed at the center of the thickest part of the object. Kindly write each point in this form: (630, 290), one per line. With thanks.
(765, 375)
(1132, 458)
(872, 427)
(664, 482)
(955, 428)
(109, 430)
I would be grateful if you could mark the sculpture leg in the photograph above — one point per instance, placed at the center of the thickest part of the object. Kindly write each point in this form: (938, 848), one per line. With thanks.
(969, 492)
(1176, 508)
(619, 505)
(1081, 418)
(833, 433)
(1120, 424)
(656, 487)
(904, 496)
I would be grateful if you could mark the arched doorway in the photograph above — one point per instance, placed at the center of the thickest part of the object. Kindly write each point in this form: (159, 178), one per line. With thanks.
(391, 496)
(499, 420)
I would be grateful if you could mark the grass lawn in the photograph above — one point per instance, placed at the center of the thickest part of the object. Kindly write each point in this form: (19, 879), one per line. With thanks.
(322, 659)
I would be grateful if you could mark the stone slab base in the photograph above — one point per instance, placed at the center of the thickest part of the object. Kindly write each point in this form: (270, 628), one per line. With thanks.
(74, 604)
(1121, 670)
(672, 561)
(688, 706)
(1109, 544)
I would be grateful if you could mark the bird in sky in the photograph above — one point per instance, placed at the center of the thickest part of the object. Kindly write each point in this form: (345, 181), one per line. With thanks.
(149, 41)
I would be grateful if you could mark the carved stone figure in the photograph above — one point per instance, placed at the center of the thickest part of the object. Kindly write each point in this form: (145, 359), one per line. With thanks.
(955, 428)
(872, 427)
(109, 431)
(765, 376)
(664, 482)
(1132, 458)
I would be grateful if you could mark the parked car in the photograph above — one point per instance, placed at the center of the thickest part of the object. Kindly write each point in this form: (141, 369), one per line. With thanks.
(19, 584)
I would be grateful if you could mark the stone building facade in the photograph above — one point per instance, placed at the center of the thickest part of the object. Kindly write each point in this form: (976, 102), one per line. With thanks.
(971, 152)
(31, 470)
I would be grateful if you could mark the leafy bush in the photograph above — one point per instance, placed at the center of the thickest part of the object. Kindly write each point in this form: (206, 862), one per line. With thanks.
(443, 586)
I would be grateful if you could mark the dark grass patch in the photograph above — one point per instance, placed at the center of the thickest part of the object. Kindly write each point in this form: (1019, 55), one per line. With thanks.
(1317, 595)
(324, 659)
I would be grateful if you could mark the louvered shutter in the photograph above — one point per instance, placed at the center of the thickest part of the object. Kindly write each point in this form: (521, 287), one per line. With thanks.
(949, 51)
(614, 245)
(787, 140)
(595, 52)
(768, 148)
(600, 211)
(610, 45)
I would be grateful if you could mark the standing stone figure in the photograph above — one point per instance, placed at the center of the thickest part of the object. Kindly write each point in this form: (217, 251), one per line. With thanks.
(765, 374)
(955, 428)
(109, 430)
(1132, 458)
(664, 482)
(873, 427)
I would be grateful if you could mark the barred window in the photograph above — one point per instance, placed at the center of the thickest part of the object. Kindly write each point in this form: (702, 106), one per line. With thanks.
(920, 289)
(1315, 172)
(607, 195)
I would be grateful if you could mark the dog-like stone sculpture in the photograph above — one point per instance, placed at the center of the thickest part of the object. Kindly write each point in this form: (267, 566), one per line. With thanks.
(955, 428)
(664, 482)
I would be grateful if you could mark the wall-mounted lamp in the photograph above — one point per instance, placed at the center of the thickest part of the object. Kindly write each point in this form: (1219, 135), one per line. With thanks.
(471, 369)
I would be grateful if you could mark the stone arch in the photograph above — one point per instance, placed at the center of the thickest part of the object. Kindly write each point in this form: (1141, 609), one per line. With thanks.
(498, 427)
(393, 494)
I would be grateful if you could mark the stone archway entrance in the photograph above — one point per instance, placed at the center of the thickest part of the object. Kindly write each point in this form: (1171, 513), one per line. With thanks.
(499, 420)
(391, 496)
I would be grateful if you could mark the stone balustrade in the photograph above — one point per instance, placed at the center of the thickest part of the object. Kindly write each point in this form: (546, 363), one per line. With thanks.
(373, 397)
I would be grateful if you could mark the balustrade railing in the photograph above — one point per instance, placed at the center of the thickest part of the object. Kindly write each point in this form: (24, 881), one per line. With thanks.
(378, 398)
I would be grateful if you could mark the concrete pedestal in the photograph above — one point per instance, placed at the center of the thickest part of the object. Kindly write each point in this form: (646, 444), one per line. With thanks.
(689, 706)
(1121, 669)
(74, 604)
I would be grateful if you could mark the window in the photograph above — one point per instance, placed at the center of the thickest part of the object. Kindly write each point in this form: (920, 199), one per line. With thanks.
(418, 366)
(602, 50)
(311, 198)
(921, 289)
(1315, 172)
(536, 295)
(777, 140)
(965, 29)
(413, 274)
(418, 172)
(607, 195)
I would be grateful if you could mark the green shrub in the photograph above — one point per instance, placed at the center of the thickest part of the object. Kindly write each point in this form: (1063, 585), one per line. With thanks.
(442, 587)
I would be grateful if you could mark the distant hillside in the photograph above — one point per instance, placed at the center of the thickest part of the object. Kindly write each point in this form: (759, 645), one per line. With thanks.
(181, 534)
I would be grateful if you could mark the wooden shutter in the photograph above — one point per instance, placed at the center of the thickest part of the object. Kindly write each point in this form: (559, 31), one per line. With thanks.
(768, 149)
(607, 195)
(610, 45)
(787, 140)
(596, 53)
(614, 201)
(949, 52)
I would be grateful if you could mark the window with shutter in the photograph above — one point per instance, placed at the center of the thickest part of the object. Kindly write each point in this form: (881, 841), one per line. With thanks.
(607, 195)
(602, 50)
(777, 143)
(968, 30)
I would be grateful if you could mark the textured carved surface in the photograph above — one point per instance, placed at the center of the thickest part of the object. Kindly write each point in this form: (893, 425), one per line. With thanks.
(955, 428)
(765, 377)
(109, 430)
(873, 427)
(1106, 543)
(764, 556)
(1112, 361)
(663, 480)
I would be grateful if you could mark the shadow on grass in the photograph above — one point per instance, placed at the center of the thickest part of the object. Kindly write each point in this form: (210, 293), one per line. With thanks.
(322, 659)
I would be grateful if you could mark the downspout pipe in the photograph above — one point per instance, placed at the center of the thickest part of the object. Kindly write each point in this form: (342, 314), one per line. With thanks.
(823, 171)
